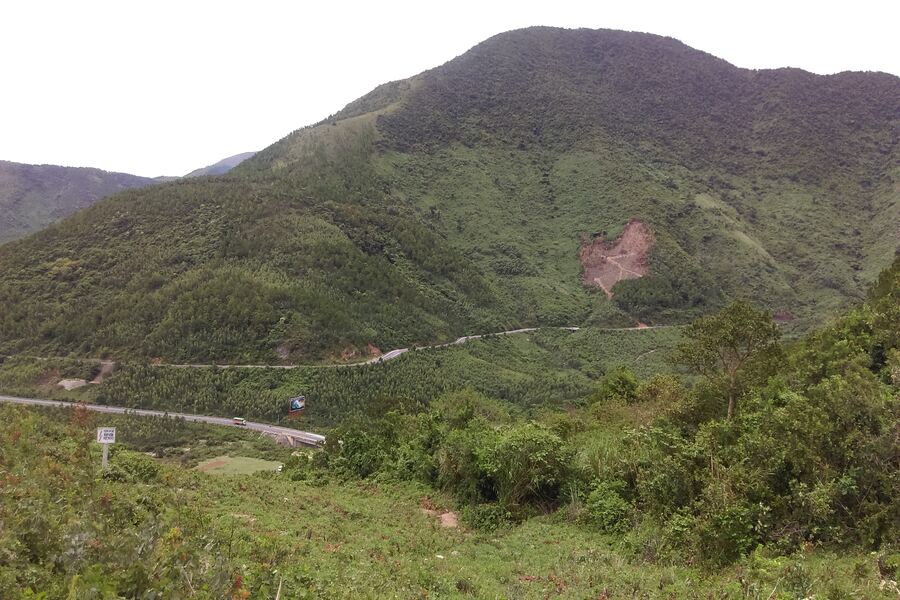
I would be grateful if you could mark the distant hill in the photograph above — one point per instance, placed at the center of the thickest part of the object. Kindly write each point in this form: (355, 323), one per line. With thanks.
(33, 196)
(545, 177)
(221, 167)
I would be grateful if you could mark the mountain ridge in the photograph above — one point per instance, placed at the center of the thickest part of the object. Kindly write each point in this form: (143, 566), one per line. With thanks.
(221, 167)
(457, 200)
(34, 196)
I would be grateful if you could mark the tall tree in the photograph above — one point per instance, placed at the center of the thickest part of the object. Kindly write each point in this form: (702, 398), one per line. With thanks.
(722, 347)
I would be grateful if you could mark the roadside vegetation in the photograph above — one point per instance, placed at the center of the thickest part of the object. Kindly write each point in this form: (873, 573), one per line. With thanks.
(648, 486)
(529, 371)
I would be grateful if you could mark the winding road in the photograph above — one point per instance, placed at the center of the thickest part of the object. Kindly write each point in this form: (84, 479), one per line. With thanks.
(284, 434)
(291, 436)
(391, 355)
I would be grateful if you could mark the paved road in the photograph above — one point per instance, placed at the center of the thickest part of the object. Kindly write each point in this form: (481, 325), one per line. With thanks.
(399, 351)
(304, 437)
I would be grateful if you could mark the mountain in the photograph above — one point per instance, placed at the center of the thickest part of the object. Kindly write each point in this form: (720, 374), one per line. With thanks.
(223, 166)
(33, 196)
(545, 177)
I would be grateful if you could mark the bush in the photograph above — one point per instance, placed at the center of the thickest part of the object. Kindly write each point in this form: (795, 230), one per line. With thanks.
(458, 468)
(620, 385)
(728, 534)
(663, 388)
(132, 467)
(607, 510)
(527, 463)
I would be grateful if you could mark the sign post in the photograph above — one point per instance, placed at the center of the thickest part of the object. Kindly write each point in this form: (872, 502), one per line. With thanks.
(106, 436)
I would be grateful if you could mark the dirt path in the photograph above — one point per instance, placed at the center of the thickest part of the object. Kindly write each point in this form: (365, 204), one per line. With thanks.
(648, 353)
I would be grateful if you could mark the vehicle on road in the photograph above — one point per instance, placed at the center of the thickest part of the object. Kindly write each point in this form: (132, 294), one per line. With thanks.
(239, 421)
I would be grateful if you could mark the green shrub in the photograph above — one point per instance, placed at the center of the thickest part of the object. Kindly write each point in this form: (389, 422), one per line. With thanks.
(526, 463)
(132, 467)
(620, 385)
(458, 467)
(607, 510)
(727, 534)
(664, 388)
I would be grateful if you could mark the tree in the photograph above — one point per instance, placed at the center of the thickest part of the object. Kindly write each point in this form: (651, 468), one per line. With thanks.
(723, 346)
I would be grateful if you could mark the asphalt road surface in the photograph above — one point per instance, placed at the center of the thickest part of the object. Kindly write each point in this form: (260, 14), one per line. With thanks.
(303, 437)
(400, 351)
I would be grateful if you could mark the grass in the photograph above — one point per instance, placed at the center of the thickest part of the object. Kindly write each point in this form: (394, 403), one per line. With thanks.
(185, 529)
(236, 465)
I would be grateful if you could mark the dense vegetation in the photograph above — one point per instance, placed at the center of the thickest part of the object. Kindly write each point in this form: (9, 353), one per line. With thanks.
(646, 488)
(541, 369)
(455, 202)
(146, 529)
(33, 196)
(776, 446)
(773, 474)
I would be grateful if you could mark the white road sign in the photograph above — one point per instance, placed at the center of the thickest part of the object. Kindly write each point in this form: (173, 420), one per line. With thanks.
(106, 435)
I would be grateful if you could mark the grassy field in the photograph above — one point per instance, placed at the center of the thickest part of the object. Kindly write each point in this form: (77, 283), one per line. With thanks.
(184, 532)
(236, 465)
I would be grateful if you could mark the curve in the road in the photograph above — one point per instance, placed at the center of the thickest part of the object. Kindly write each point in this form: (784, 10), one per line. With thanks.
(304, 437)
(391, 355)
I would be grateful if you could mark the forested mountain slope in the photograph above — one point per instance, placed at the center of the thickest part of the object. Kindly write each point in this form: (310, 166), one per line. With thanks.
(465, 199)
(33, 196)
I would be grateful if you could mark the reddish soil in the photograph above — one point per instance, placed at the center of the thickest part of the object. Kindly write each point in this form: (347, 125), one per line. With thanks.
(447, 518)
(214, 464)
(607, 263)
(106, 369)
(352, 352)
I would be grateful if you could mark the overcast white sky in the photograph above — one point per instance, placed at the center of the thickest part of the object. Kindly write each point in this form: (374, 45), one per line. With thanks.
(162, 87)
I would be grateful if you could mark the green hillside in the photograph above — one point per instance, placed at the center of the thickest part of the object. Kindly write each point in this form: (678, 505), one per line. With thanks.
(222, 166)
(33, 196)
(643, 490)
(458, 201)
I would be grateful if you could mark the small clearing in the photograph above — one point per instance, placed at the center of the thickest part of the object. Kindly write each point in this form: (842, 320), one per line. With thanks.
(236, 465)
(106, 369)
(72, 384)
(607, 263)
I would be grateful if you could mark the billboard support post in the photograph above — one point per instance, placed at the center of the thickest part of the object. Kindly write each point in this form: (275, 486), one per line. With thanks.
(106, 436)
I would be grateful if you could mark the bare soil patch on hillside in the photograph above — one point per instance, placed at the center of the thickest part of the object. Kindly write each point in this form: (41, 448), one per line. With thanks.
(447, 518)
(605, 263)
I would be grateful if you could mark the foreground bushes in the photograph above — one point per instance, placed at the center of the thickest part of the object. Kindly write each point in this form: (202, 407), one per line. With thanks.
(808, 456)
